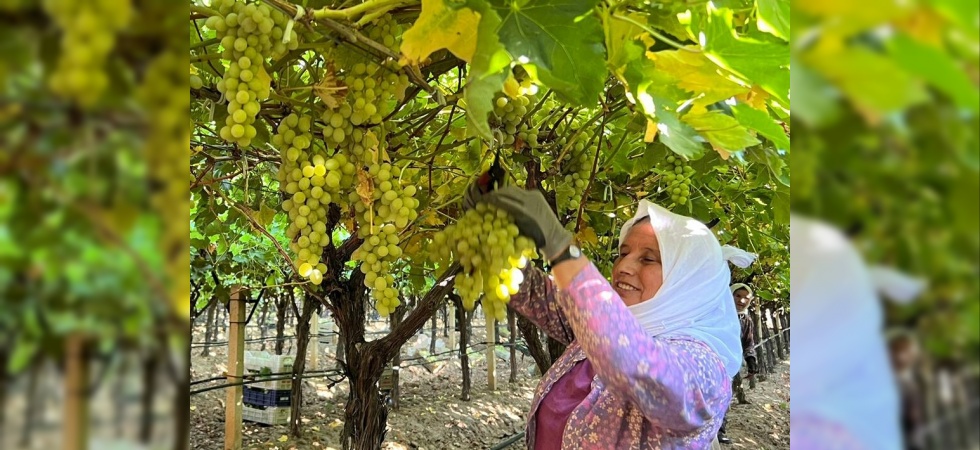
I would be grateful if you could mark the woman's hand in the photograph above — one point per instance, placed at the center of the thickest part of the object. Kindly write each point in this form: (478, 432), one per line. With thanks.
(531, 214)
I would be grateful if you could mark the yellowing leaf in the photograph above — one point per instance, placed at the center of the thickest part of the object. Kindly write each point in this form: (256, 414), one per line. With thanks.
(263, 77)
(695, 73)
(724, 133)
(283, 438)
(365, 187)
(440, 27)
(651, 131)
(587, 236)
(330, 89)
(266, 215)
(434, 220)
(756, 98)
(618, 33)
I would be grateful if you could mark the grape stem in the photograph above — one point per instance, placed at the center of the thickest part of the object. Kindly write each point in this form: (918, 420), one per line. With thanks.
(353, 36)
(204, 11)
(370, 7)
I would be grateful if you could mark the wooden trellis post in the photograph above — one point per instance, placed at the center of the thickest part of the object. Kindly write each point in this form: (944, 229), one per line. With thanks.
(451, 315)
(491, 353)
(76, 399)
(236, 368)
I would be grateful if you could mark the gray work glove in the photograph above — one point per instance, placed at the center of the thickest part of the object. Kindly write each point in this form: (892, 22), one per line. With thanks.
(533, 217)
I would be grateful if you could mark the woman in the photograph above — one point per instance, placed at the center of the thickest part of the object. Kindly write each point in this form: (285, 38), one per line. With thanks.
(650, 356)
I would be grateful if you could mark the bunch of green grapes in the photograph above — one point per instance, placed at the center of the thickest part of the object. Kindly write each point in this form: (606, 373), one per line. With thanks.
(491, 252)
(88, 36)
(678, 176)
(577, 174)
(310, 183)
(249, 33)
(388, 211)
(386, 31)
(167, 152)
(371, 95)
(508, 113)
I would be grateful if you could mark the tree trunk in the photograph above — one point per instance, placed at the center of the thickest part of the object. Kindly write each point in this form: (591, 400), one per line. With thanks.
(4, 360)
(445, 321)
(777, 316)
(182, 403)
(396, 319)
(299, 365)
(534, 345)
(760, 350)
(262, 316)
(511, 325)
(555, 349)
(466, 318)
(432, 334)
(209, 329)
(789, 329)
(150, 368)
(33, 404)
(281, 309)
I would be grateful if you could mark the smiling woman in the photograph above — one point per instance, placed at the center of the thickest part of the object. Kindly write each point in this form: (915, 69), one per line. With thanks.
(649, 357)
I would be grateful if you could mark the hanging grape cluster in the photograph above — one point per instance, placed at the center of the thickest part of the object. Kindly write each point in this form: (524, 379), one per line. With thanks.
(578, 169)
(382, 205)
(387, 211)
(491, 252)
(88, 36)
(249, 34)
(167, 153)
(678, 175)
(507, 116)
(311, 180)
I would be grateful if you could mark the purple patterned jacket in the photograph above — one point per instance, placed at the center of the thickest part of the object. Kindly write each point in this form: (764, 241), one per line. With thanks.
(648, 393)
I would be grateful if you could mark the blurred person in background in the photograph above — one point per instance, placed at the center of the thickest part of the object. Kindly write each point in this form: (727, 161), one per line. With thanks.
(742, 295)
(844, 394)
(904, 351)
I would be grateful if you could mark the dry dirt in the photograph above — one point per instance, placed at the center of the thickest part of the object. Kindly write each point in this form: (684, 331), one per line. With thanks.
(431, 416)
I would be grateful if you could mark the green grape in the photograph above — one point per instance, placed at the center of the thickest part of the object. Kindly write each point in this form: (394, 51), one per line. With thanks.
(491, 270)
(244, 30)
(677, 175)
(88, 31)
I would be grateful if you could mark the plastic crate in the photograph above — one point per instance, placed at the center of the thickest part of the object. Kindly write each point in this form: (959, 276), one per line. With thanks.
(267, 397)
(263, 365)
(270, 415)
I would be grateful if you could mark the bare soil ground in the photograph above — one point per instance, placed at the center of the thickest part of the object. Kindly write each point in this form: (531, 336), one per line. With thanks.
(431, 415)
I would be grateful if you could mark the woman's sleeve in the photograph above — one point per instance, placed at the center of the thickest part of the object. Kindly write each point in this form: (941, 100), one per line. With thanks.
(536, 301)
(677, 384)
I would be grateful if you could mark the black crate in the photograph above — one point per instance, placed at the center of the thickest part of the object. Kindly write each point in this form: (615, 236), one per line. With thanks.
(267, 397)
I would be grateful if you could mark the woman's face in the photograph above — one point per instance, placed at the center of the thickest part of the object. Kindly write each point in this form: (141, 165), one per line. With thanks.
(638, 272)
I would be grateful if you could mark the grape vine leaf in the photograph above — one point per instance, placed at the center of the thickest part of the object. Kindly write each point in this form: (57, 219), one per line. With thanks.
(695, 73)
(874, 83)
(936, 68)
(773, 17)
(761, 122)
(762, 63)
(487, 70)
(561, 39)
(657, 96)
(440, 27)
(815, 102)
(724, 133)
(619, 32)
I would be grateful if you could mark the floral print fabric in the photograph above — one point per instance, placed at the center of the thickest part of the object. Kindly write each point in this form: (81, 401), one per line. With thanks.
(648, 393)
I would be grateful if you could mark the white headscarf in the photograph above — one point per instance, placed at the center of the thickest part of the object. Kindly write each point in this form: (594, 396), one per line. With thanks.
(694, 300)
(738, 286)
(842, 373)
